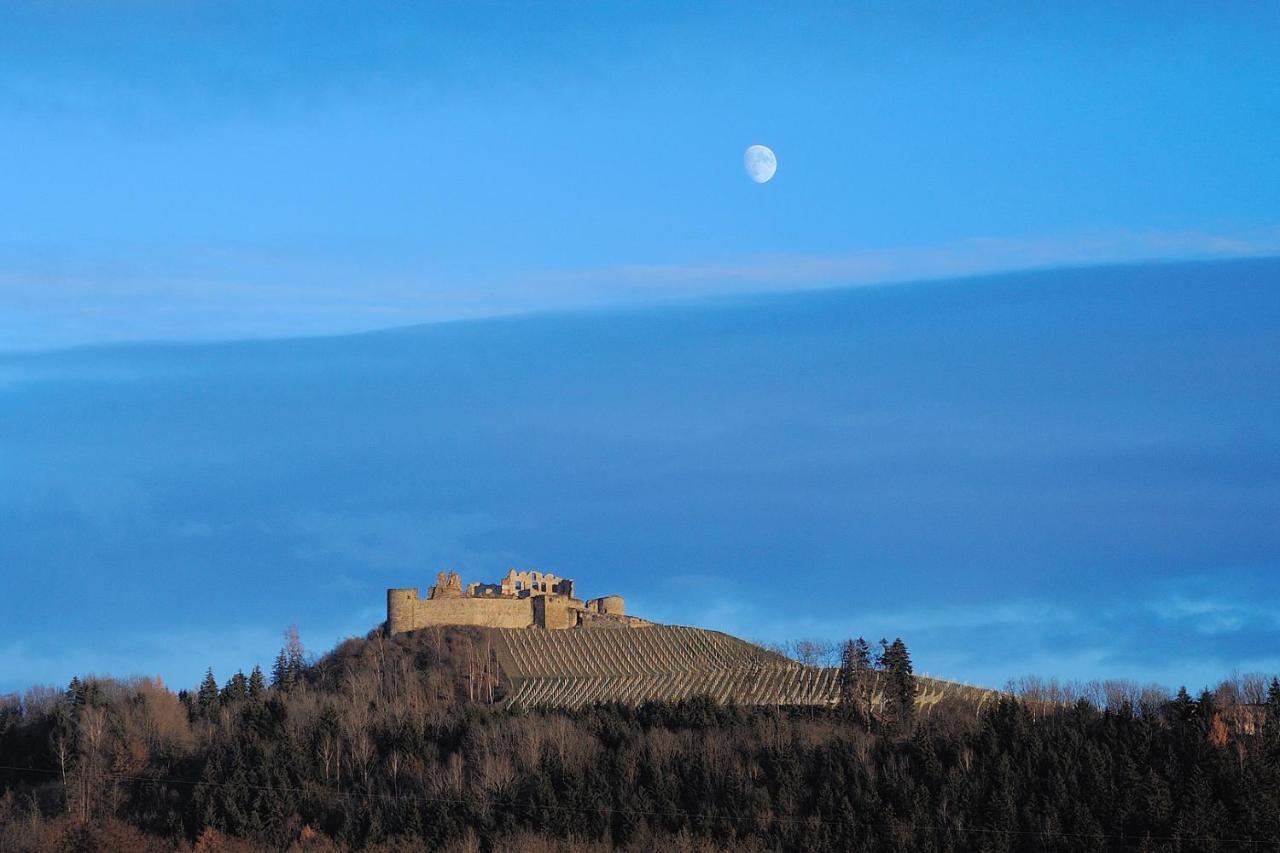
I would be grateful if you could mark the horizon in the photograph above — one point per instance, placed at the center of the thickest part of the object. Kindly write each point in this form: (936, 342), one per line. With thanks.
(173, 487)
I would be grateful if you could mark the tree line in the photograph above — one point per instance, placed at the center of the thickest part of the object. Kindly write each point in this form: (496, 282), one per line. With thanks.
(391, 743)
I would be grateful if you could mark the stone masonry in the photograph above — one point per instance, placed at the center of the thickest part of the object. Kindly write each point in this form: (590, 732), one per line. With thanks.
(528, 599)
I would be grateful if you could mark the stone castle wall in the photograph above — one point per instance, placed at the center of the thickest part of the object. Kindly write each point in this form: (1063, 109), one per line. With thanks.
(609, 605)
(407, 612)
(520, 600)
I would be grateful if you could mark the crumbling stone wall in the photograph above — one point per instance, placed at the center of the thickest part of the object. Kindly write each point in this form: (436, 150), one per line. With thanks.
(609, 605)
(554, 611)
(520, 600)
(406, 611)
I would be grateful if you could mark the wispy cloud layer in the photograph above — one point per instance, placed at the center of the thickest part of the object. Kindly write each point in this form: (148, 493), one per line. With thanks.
(206, 294)
(968, 257)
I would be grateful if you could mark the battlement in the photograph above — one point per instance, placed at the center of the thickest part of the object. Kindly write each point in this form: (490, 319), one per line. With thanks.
(525, 599)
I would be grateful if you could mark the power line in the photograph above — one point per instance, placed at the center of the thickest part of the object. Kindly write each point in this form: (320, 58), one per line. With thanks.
(1127, 840)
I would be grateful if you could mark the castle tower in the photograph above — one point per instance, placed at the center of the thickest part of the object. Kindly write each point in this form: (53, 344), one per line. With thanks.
(610, 605)
(401, 606)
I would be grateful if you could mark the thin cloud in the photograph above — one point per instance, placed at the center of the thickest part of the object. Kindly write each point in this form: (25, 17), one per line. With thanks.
(968, 257)
(210, 294)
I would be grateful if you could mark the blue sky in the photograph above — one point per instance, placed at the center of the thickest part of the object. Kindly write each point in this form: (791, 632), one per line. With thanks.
(685, 386)
(221, 170)
(1069, 473)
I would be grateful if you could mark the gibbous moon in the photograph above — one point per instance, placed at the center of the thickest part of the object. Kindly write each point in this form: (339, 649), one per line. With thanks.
(760, 163)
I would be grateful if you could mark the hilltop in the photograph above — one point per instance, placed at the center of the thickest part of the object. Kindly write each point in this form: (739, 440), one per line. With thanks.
(526, 669)
(410, 741)
(550, 648)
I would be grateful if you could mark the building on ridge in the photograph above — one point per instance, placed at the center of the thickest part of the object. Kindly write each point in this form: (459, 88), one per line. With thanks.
(528, 599)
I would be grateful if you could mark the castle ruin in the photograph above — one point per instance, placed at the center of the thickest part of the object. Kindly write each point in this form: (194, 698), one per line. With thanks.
(527, 599)
(563, 668)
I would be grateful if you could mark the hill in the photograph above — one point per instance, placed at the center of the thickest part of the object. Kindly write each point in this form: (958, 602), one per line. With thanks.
(995, 466)
(664, 663)
(525, 669)
(411, 741)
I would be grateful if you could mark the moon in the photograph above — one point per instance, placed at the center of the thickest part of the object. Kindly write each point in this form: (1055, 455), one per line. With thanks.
(760, 163)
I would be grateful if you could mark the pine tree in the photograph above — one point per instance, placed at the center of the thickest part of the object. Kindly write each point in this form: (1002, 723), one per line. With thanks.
(848, 674)
(900, 682)
(295, 655)
(1273, 698)
(290, 666)
(82, 692)
(88, 693)
(236, 688)
(207, 695)
(257, 683)
(281, 676)
(1206, 705)
(855, 677)
(1184, 709)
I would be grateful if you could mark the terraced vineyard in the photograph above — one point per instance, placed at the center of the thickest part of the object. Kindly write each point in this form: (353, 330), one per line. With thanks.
(570, 669)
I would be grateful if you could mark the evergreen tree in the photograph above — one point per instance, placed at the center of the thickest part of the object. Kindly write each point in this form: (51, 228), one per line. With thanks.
(84, 692)
(257, 683)
(1023, 776)
(281, 676)
(900, 682)
(291, 662)
(855, 676)
(884, 647)
(207, 695)
(295, 655)
(1183, 706)
(1273, 699)
(236, 688)
(1206, 706)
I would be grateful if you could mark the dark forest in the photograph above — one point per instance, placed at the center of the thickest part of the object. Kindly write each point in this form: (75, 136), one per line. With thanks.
(393, 744)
